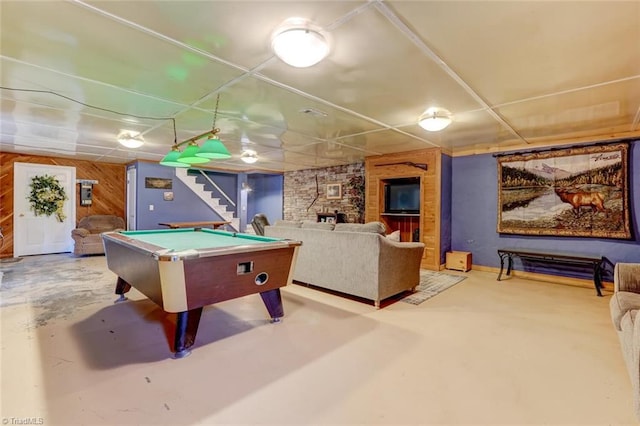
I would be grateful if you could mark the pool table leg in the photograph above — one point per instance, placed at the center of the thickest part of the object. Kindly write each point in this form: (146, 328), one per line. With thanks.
(273, 301)
(121, 288)
(186, 329)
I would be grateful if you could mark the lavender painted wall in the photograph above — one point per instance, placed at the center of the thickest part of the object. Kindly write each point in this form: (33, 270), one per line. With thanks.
(474, 207)
(186, 206)
(445, 207)
(266, 196)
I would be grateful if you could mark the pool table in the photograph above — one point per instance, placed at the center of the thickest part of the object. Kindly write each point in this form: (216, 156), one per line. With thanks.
(183, 270)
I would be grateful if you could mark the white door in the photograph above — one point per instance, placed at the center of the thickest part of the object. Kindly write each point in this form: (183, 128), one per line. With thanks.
(131, 199)
(42, 234)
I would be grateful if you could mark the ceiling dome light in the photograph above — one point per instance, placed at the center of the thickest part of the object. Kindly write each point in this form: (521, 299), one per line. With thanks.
(300, 43)
(130, 139)
(249, 156)
(435, 119)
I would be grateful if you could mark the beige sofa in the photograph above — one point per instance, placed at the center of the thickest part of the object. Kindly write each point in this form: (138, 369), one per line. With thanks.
(625, 305)
(356, 259)
(86, 236)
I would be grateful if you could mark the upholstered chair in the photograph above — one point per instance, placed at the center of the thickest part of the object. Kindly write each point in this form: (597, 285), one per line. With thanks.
(86, 236)
(259, 222)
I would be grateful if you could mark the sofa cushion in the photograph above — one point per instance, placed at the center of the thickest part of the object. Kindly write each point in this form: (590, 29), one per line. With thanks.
(318, 225)
(394, 236)
(97, 224)
(373, 227)
(622, 302)
(288, 223)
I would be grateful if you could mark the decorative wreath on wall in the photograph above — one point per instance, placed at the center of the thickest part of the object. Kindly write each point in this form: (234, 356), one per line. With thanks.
(47, 196)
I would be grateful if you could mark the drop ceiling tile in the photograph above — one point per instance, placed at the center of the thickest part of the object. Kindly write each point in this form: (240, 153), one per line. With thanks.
(472, 128)
(213, 26)
(256, 102)
(379, 72)
(515, 50)
(385, 142)
(62, 36)
(331, 151)
(600, 110)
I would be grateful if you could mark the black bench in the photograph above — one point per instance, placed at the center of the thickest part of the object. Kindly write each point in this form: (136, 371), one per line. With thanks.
(595, 262)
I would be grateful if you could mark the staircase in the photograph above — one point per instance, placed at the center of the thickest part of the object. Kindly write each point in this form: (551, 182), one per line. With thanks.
(213, 203)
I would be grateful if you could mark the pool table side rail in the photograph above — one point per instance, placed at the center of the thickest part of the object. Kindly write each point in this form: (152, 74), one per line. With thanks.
(165, 254)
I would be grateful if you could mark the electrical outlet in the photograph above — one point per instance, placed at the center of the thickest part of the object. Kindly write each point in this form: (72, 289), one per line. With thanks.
(150, 207)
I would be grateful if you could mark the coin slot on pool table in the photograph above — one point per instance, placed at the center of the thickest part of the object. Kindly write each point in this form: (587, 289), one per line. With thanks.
(244, 268)
(262, 278)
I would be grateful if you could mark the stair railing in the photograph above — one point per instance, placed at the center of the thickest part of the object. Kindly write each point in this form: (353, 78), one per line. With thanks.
(216, 186)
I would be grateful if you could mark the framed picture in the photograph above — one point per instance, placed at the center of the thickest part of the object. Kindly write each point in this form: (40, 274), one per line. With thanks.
(576, 192)
(334, 191)
(157, 183)
(167, 196)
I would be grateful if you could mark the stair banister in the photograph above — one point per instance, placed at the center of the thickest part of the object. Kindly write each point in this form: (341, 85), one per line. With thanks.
(216, 187)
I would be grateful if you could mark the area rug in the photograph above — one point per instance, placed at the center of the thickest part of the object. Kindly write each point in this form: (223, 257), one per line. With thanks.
(431, 283)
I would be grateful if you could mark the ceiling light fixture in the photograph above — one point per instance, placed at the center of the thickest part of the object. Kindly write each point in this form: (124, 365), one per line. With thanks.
(171, 159)
(212, 149)
(300, 43)
(435, 119)
(249, 156)
(130, 139)
(190, 155)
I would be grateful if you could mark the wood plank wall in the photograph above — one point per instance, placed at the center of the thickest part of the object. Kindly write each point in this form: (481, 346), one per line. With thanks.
(381, 167)
(108, 195)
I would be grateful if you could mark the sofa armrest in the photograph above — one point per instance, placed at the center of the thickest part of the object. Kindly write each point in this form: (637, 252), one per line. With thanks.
(80, 232)
(626, 277)
(399, 266)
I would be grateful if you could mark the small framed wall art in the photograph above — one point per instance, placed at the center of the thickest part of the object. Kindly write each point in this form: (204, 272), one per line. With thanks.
(334, 191)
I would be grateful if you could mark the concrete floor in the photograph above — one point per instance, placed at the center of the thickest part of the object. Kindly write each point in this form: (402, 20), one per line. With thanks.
(482, 352)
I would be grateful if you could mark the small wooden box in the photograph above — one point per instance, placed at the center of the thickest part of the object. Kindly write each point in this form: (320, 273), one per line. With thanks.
(458, 260)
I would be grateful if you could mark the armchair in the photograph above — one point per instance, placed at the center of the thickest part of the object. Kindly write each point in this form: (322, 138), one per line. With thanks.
(625, 305)
(86, 236)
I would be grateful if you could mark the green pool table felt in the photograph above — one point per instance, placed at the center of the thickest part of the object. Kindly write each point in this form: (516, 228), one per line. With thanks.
(190, 239)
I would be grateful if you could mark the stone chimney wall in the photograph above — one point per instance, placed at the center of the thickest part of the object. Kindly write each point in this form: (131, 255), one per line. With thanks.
(300, 191)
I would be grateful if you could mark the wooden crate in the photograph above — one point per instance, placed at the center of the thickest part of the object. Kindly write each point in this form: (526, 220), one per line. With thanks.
(458, 260)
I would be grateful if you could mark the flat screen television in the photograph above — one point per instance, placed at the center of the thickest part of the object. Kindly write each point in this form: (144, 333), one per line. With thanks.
(402, 196)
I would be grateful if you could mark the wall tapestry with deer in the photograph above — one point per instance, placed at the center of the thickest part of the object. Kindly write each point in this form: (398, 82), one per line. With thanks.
(577, 192)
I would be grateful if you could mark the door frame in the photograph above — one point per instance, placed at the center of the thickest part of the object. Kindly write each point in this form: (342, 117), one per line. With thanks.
(131, 177)
(20, 188)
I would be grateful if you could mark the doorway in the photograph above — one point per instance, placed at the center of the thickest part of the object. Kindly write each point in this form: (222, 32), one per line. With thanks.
(42, 234)
(131, 199)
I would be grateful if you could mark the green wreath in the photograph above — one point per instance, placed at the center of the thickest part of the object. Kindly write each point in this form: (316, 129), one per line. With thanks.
(47, 196)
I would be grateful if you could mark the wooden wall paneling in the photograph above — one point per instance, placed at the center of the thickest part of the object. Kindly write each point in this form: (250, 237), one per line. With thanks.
(382, 167)
(6, 206)
(108, 195)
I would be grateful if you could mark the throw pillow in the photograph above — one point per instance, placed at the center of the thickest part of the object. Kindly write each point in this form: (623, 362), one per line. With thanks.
(394, 236)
